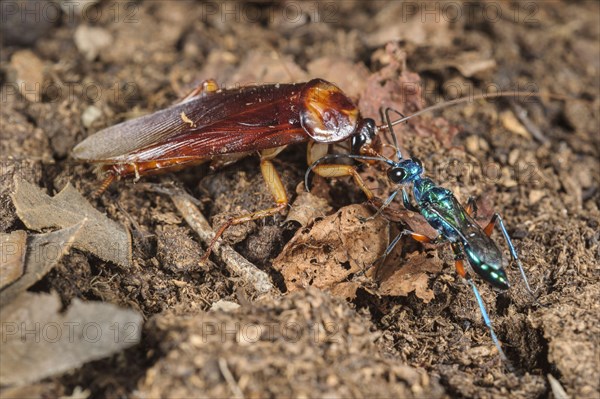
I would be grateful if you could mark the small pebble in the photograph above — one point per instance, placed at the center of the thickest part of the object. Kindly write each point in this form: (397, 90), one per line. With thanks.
(90, 41)
(90, 115)
(535, 196)
(224, 306)
(30, 74)
(513, 157)
(510, 122)
(472, 144)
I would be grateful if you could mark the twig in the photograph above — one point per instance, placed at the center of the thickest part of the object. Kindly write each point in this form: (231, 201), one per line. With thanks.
(233, 385)
(557, 390)
(521, 114)
(235, 262)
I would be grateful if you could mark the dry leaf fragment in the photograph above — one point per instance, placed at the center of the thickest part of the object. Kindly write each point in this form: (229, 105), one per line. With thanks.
(397, 21)
(470, 63)
(40, 255)
(273, 68)
(510, 122)
(413, 220)
(307, 207)
(347, 75)
(39, 341)
(12, 256)
(333, 249)
(100, 236)
(401, 276)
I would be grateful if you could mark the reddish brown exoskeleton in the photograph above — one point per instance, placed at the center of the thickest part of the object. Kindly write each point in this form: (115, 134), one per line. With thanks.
(222, 126)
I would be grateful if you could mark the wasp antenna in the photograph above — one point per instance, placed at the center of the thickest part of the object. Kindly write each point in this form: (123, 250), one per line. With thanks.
(484, 96)
(390, 126)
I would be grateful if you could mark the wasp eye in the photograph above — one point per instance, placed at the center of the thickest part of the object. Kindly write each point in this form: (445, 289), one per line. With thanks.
(418, 162)
(396, 175)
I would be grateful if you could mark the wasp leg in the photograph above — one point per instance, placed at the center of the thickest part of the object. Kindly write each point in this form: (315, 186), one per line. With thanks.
(406, 202)
(419, 237)
(276, 188)
(388, 201)
(316, 151)
(513, 252)
(472, 207)
(488, 323)
(459, 258)
(385, 204)
(416, 236)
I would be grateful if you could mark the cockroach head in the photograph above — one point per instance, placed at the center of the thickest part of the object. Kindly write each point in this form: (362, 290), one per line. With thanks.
(366, 141)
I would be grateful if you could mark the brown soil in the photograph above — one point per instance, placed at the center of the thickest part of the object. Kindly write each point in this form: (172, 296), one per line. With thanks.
(547, 190)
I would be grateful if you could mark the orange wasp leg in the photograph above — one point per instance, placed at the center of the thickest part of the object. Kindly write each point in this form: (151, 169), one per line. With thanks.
(471, 207)
(489, 229)
(472, 211)
(459, 261)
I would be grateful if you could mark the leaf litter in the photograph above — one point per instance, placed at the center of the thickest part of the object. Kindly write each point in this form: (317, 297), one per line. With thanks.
(34, 257)
(100, 236)
(39, 341)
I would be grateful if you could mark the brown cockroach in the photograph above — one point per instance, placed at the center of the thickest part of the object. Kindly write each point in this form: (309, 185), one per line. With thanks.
(223, 126)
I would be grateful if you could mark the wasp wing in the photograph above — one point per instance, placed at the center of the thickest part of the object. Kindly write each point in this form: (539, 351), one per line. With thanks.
(483, 254)
(455, 220)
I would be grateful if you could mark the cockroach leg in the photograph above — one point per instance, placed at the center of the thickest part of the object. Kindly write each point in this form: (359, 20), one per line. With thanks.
(317, 151)
(136, 171)
(206, 87)
(233, 261)
(340, 171)
(275, 186)
(105, 183)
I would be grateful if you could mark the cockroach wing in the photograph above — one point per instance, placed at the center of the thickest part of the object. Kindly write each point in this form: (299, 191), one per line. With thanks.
(221, 113)
(233, 121)
(133, 134)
